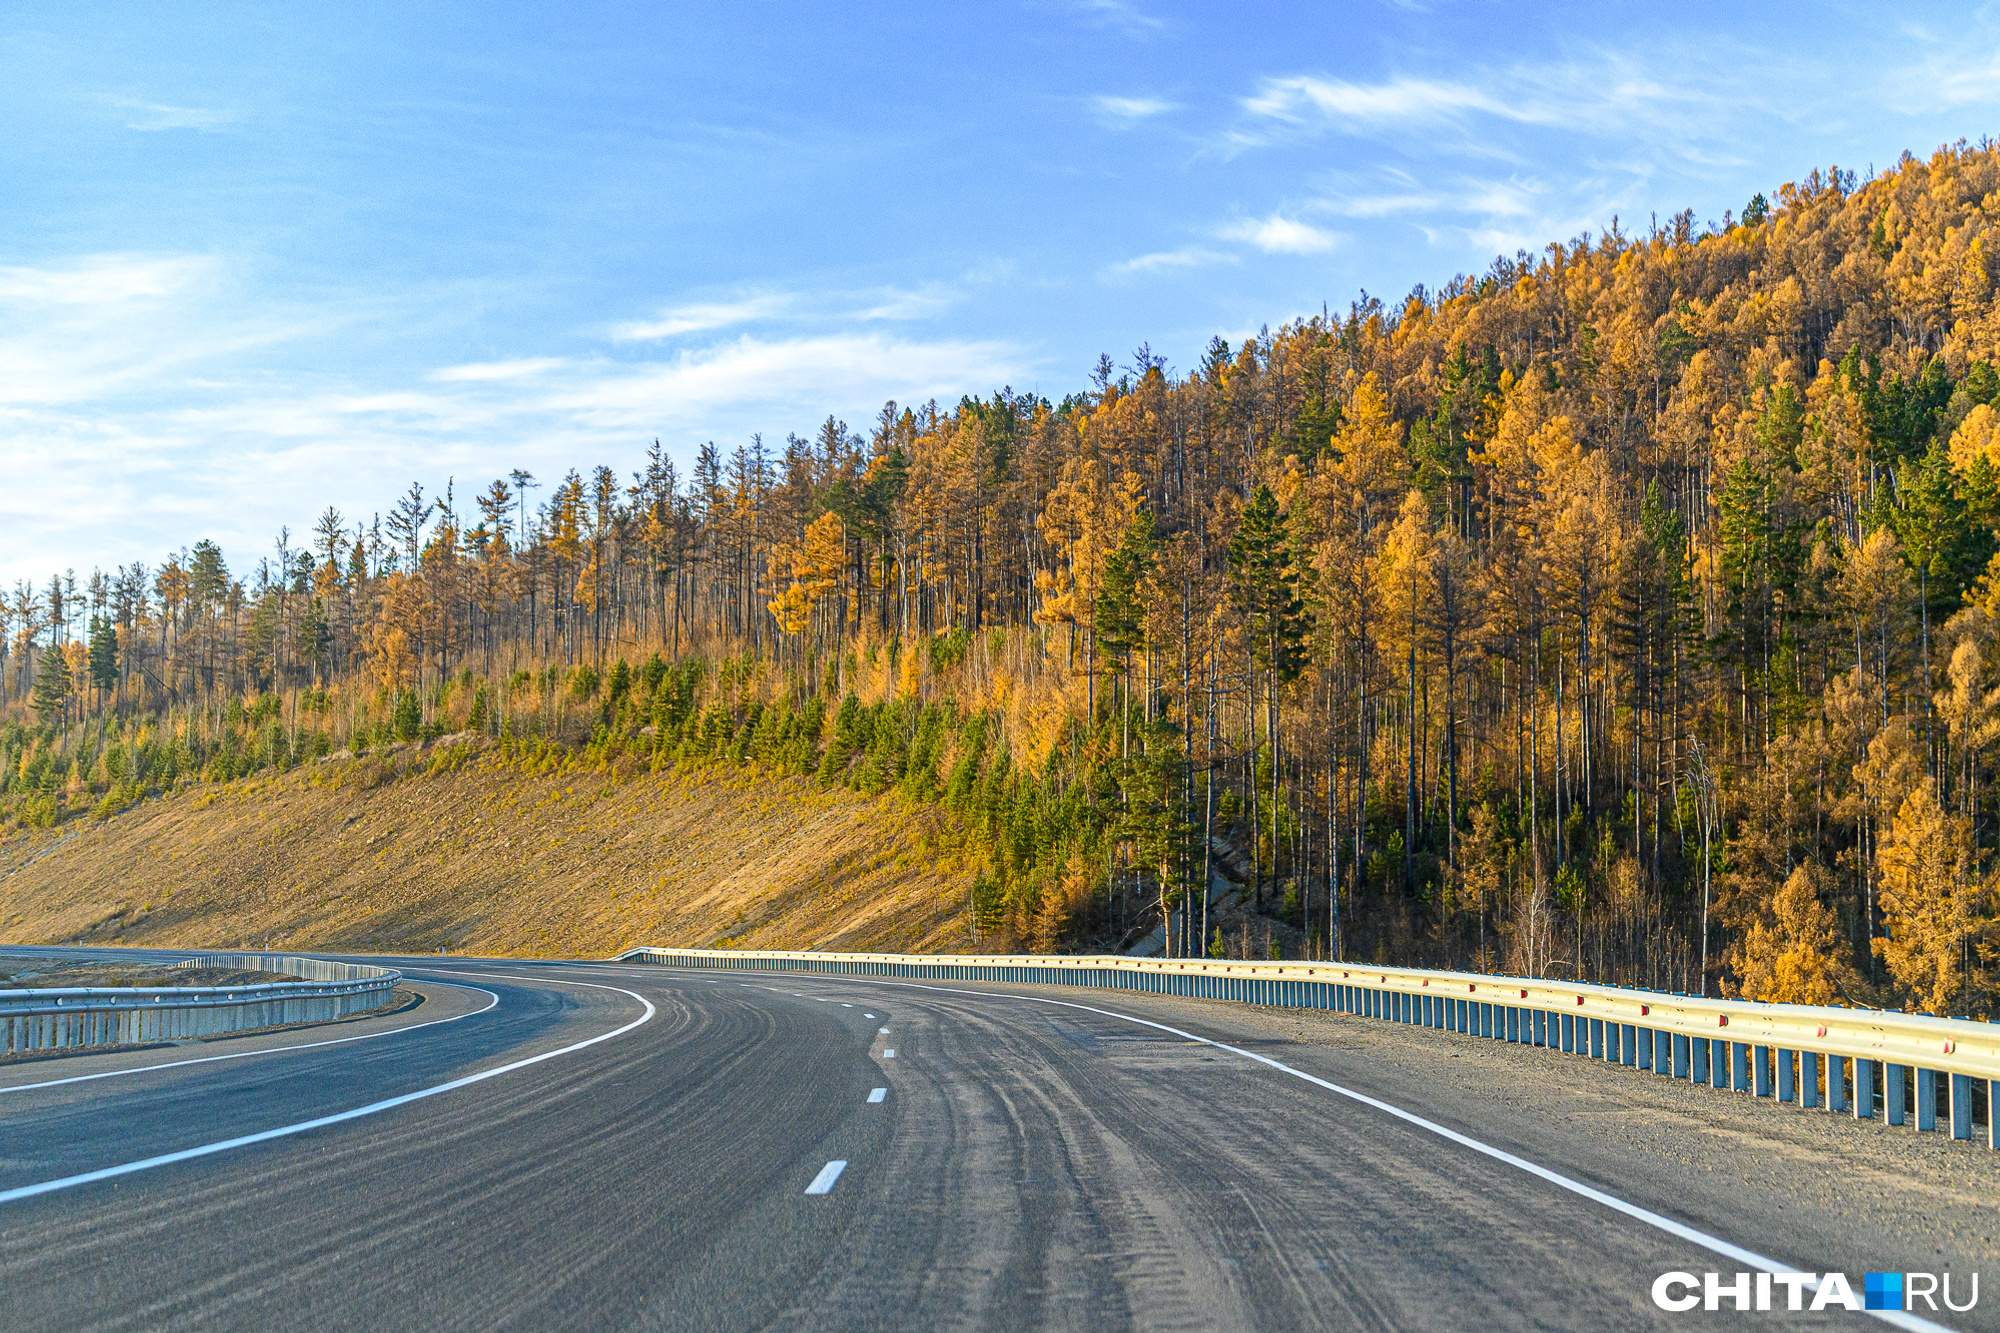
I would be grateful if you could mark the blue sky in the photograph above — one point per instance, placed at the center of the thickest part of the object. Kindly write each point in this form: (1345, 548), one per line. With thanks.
(256, 260)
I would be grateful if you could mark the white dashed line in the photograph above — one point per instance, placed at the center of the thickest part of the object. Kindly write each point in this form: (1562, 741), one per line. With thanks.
(823, 1182)
(877, 1095)
(885, 1032)
(888, 1055)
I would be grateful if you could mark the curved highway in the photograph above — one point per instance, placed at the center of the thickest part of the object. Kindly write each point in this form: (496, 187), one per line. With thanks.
(593, 1146)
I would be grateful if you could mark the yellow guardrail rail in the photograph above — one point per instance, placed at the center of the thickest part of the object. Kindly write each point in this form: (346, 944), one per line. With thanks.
(1860, 1060)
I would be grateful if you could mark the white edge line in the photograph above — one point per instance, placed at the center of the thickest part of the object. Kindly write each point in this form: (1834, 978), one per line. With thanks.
(492, 1000)
(373, 1108)
(1715, 1244)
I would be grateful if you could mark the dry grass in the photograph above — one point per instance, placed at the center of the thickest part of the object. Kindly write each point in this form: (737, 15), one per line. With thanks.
(376, 855)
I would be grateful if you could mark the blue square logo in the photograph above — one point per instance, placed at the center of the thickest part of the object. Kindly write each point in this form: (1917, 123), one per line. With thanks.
(1882, 1291)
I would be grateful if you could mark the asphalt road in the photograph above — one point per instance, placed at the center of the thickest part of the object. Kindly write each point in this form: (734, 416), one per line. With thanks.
(1031, 1165)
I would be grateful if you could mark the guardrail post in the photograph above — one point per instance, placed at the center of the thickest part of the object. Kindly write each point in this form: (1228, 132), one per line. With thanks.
(1597, 1039)
(1809, 1079)
(1992, 1120)
(1541, 1027)
(1569, 1033)
(1788, 1090)
(1681, 1046)
(1629, 1045)
(1961, 1106)
(1894, 1077)
(1701, 1066)
(1926, 1099)
(1739, 1066)
(1864, 1089)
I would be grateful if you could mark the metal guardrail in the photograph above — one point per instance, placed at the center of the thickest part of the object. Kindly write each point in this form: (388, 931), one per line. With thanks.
(61, 1017)
(1862, 1062)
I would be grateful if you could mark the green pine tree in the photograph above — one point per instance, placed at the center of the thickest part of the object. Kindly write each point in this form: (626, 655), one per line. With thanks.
(103, 653)
(1265, 573)
(52, 687)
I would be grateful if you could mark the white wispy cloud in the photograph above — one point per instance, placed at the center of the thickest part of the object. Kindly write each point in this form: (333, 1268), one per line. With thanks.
(1121, 14)
(926, 302)
(1123, 111)
(93, 328)
(1507, 199)
(1192, 256)
(1600, 94)
(1280, 235)
(1375, 205)
(1401, 100)
(98, 280)
(154, 116)
(703, 316)
(142, 408)
(1955, 74)
(487, 371)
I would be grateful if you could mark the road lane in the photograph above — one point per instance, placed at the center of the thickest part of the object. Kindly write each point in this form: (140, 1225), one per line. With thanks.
(1030, 1166)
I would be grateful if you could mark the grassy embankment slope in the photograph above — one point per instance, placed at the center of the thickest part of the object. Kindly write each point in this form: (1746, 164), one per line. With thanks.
(407, 852)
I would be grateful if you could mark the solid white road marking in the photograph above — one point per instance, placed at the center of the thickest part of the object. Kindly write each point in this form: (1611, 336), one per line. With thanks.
(877, 1095)
(491, 1000)
(373, 1108)
(823, 1182)
(1714, 1244)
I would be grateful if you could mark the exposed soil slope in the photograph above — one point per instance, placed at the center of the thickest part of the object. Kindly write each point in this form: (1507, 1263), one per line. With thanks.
(53, 973)
(416, 852)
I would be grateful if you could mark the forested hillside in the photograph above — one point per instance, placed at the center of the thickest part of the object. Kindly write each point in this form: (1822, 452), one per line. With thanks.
(1625, 612)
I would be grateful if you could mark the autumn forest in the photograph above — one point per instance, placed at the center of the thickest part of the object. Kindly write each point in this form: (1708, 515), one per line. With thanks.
(1627, 612)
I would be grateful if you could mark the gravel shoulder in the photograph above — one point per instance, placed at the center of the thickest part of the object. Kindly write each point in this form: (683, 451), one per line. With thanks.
(1808, 1187)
